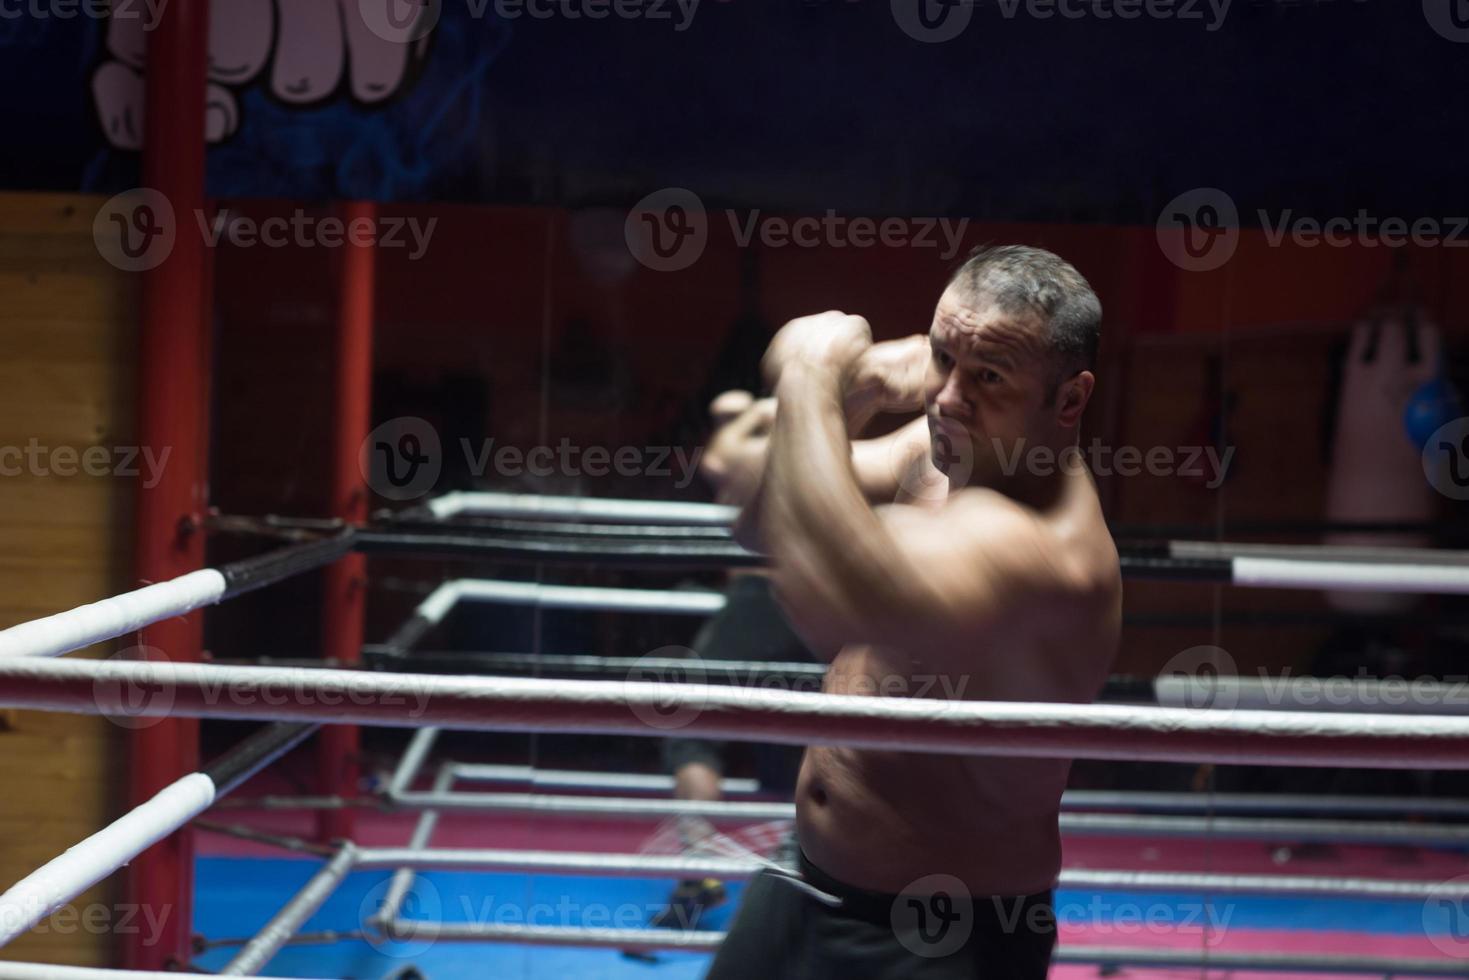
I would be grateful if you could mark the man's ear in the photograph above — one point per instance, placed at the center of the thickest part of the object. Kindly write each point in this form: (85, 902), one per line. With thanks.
(1071, 400)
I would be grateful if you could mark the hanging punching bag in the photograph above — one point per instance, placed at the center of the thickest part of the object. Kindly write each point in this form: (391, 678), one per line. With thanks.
(1391, 388)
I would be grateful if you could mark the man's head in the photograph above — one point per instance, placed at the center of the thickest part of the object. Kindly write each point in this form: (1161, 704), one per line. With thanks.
(1014, 342)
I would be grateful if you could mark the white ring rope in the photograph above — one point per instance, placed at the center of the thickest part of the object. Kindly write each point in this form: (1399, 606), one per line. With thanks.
(795, 718)
(54, 884)
(1340, 694)
(632, 940)
(585, 597)
(465, 504)
(568, 779)
(1074, 800)
(1220, 550)
(1292, 831)
(439, 603)
(52, 636)
(1285, 573)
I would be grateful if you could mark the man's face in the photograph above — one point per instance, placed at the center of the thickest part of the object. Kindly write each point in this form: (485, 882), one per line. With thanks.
(988, 384)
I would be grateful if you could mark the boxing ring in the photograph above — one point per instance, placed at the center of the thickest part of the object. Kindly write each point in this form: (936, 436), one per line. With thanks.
(1155, 720)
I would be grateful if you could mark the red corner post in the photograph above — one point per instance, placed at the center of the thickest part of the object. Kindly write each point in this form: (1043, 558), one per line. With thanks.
(343, 607)
(173, 392)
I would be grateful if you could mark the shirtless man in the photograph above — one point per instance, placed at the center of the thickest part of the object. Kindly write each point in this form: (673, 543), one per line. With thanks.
(996, 577)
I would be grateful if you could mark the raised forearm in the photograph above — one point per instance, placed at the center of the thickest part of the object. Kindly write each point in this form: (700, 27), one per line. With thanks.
(839, 379)
(828, 545)
(735, 462)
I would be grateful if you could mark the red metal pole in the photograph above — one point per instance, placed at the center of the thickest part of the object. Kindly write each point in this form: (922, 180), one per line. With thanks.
(173, 371)
(337, 746)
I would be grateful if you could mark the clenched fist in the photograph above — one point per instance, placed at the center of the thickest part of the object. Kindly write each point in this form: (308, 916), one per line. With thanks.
(889, 376)
(830, 341)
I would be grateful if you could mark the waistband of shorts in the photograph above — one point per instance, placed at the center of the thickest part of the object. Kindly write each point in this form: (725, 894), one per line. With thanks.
(878, 906)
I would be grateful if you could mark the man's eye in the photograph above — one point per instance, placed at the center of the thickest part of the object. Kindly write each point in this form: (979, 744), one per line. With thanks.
(941, 359)
(990, 377)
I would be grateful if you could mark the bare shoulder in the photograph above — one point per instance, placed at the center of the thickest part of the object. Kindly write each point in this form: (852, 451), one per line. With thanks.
(1069, 558)
(969, 512)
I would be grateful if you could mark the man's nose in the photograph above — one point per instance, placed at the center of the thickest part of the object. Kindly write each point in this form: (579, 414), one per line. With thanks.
(951, 399)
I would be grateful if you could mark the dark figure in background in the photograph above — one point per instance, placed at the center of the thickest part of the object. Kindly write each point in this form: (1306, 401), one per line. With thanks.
(751, 627)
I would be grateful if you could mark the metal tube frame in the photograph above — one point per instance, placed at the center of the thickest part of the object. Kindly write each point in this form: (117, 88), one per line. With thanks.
(293, 915)
(399, 794)
(1265, 829)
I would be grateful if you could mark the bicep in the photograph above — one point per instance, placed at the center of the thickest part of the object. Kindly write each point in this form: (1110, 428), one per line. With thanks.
(932, 579)
(966, 569)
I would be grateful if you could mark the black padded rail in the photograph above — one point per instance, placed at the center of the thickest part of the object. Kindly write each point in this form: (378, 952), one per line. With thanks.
(553, 528)
(255, 753)
(1153, 567)
(570, 549)
(1149, 562)
(1437, 531)
(273, 566)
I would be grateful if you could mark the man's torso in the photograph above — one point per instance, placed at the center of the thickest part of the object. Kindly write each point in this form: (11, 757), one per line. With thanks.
(885, 820)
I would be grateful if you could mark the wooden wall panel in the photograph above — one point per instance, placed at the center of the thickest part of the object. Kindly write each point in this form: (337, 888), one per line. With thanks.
(67, 369)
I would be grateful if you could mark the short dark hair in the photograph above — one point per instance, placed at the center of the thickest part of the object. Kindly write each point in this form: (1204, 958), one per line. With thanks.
(1020, 279)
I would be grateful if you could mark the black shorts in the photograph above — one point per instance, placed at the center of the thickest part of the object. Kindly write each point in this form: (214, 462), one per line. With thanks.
(751, 626)
(783, 933)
